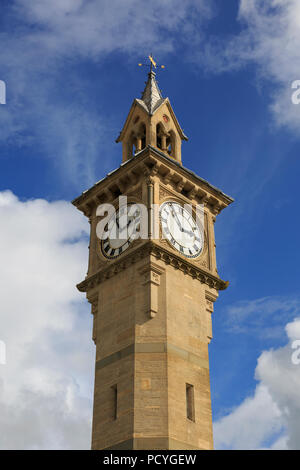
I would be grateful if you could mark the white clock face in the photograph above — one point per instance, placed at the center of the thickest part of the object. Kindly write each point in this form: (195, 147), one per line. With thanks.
(121, 229)
(180, 229)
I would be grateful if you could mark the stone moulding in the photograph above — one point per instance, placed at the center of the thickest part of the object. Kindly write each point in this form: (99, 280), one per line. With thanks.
(160, 253)
(152, 162)
(93, 299)
(151, 277)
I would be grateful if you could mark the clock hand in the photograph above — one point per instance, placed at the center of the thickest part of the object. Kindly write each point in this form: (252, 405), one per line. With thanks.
(177, 221)
(190, 232)
(127, 225)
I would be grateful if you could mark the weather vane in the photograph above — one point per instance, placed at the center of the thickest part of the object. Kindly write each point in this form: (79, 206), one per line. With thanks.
(152, 64)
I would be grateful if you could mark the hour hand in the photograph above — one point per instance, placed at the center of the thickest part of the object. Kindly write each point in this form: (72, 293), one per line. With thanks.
(189, 232)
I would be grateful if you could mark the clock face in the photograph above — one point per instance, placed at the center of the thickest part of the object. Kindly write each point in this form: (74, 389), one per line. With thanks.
(121, 229)
(180, 229)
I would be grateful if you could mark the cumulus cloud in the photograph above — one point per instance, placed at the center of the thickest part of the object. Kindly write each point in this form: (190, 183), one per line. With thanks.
(46, 384)
(276, 370)
(250, 424)
(270, 419)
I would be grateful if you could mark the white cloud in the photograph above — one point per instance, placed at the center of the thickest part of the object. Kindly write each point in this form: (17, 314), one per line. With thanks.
(96, 27)
(277, 372)
(269, 38)
(250, 424)
(264, 317)
(50, 37)
(271, 417)
(38, 57)
(293, 330)
(46, 384)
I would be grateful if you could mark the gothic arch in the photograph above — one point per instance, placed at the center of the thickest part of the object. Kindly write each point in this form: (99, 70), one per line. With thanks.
(142, 135)
(171, 144)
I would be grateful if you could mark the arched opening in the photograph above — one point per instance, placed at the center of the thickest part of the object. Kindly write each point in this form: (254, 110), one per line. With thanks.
(142, 135)
(132, 146)
(159, 133)
(171, 144)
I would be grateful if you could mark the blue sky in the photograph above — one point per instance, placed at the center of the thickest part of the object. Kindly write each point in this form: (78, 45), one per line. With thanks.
(71, 73)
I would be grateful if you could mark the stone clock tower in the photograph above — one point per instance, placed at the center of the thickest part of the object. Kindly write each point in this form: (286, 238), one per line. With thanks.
(152, 298)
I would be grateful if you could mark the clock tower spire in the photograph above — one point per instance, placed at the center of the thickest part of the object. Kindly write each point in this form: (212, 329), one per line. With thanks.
(152, 296)
(151, 121)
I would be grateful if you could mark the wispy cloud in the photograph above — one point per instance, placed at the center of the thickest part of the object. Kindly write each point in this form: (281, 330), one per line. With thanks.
(269, 39)
(49, 40)
(265, 317)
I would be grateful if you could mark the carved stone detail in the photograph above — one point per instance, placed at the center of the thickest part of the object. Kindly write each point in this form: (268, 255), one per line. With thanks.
(192, 193)
(180, 185)
(209, 305)
(163, 193)
(168, 178)
(210, 298)
(93, 299)
(137, 193)
(161, 253)
(151, 278)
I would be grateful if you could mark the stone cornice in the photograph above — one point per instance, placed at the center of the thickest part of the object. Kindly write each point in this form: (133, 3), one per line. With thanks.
(160, 253)
(155, 162)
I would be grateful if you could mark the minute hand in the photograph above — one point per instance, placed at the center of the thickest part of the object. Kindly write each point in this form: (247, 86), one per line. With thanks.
(177, 221)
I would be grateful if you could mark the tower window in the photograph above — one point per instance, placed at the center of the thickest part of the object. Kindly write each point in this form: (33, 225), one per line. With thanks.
(143, 135)
(169, 146)
(190, 405)
(158, 136)
(114, 390)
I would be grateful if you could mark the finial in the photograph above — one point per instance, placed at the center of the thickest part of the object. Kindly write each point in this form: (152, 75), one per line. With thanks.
(152, 64)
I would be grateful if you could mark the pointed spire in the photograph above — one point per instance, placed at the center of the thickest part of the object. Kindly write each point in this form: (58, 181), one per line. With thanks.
(151, 96)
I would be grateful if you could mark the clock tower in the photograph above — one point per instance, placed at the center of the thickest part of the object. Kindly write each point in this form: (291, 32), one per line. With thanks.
(152, 297)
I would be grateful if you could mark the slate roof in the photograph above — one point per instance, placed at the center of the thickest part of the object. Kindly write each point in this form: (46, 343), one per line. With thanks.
(151, 96)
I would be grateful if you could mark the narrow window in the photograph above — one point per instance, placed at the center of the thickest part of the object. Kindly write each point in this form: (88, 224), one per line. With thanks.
(190, 406)
(169, 146)
(143, 135)
(158, 136)
(114, 390)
